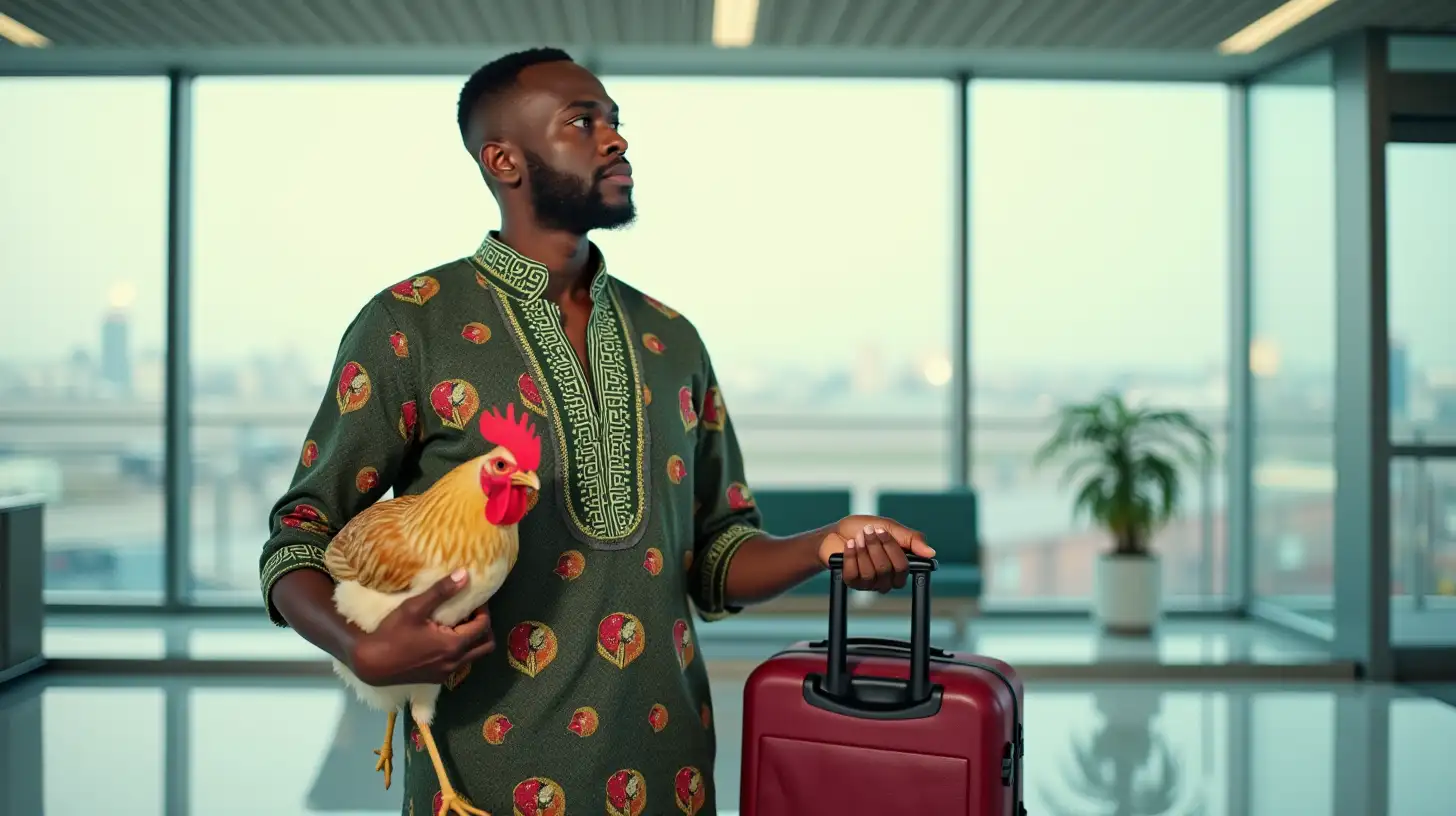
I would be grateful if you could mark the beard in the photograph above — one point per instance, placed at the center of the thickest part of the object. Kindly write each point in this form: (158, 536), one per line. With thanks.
(564, 202)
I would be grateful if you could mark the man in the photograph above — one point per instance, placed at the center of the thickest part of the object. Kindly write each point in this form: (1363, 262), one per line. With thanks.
(644, 513)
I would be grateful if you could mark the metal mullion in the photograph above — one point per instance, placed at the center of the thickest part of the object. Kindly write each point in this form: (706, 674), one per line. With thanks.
(961, 384)
(1239, 527)
(177, 441)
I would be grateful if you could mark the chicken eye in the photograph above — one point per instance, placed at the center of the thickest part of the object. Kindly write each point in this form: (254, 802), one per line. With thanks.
(500, 466)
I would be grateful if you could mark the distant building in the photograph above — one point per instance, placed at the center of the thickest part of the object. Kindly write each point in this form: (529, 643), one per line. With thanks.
(116, 370)
(1399, 381)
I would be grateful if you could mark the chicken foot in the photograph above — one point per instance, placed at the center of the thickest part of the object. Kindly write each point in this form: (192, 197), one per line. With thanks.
(450, 801)
(386, 751)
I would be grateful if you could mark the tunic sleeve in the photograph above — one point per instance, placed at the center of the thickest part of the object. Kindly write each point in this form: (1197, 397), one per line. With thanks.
(363, 429)
(726, 516)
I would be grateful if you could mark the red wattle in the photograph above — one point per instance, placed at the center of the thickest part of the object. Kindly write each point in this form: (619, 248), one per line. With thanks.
(497, 500)
(516, 500)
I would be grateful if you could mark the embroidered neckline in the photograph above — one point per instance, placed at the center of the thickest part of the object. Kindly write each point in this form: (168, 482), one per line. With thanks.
(524, 278)
(599, 427)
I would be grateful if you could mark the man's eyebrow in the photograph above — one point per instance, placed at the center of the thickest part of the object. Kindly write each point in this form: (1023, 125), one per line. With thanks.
(592, 105)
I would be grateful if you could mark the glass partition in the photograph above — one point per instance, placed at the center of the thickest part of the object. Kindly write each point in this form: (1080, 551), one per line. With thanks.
(1292, 347)
(1099, 260)
(1421, 256)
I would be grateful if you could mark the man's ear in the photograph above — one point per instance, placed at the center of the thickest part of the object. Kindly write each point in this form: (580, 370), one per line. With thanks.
(498, 161)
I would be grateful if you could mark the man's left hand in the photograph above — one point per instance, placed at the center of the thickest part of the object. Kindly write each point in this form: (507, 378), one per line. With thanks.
(874, 551)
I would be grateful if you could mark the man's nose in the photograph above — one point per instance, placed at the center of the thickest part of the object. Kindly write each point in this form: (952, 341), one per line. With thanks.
(615, 143)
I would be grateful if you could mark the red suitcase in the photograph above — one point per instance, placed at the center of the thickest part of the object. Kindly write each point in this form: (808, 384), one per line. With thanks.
(874, 726)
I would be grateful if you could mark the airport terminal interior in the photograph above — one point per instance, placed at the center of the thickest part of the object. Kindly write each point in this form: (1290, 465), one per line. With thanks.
(916, 237)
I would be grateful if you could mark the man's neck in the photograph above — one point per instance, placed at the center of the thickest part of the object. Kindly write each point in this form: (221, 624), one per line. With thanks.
(564, 255)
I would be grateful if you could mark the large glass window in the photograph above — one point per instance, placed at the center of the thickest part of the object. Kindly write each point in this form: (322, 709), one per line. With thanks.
(311, 195)
(1099, 238)
(814, 259)
(1292, 350)
(1423, 551)
(1421, 253)
(83, 238)
(833, 345)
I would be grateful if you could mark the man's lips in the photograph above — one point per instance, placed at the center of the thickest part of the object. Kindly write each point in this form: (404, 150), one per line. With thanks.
(621, 173)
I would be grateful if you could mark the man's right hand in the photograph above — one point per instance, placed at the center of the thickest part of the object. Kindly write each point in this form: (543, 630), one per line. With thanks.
(411, 647)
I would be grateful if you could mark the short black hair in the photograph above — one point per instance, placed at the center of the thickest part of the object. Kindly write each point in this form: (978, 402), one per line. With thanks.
(494, 78)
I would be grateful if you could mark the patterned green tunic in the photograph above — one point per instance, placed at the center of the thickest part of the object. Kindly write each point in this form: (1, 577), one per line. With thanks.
(596, 699)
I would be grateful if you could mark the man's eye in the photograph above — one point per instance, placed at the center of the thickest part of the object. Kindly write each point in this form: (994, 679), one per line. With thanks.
(583, 122)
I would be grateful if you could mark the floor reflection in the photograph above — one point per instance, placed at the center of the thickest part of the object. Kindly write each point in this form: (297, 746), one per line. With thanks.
(1124, 760)
(345, 780)
(75, 744)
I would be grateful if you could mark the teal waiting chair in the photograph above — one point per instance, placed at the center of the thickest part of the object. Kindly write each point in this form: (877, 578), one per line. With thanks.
(788, 512)
(950, 521)
(947, 518)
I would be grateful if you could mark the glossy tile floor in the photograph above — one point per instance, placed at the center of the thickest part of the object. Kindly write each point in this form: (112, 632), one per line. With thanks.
(75, 745)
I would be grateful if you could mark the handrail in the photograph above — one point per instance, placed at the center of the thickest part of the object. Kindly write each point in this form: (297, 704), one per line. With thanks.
(999, 435)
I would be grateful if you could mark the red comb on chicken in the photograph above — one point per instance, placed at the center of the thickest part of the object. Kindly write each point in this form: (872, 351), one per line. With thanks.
(513, 434)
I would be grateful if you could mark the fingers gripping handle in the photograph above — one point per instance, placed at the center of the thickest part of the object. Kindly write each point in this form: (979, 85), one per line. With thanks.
(836, 678)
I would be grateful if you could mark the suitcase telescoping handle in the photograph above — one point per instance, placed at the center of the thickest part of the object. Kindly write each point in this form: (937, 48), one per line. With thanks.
(839, 690)
(877, 644)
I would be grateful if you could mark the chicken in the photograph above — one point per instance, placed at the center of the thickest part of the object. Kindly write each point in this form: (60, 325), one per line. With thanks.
(397, 549)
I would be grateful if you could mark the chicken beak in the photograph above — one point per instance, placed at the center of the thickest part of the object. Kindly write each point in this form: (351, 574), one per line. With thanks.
(526, 479)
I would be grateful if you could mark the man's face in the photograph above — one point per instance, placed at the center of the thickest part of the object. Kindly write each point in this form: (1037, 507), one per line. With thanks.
(576, 169)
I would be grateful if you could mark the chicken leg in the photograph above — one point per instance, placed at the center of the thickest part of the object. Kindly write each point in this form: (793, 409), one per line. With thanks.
(450, 801)
(386, 751)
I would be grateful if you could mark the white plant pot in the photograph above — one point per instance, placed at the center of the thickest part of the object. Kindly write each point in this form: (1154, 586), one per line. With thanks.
(1129, 595)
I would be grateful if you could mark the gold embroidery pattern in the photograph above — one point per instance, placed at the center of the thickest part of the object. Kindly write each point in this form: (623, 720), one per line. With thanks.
(714, 570)
(286, 559)
(600, 443)
(604, 488)
(499, 264)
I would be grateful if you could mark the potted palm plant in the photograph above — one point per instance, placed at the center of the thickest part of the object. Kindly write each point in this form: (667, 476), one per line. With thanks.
(1125, 462)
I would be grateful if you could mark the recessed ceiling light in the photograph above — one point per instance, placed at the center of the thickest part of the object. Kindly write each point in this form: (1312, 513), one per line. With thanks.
(734, 22)
(1258, 33)
(20, 33)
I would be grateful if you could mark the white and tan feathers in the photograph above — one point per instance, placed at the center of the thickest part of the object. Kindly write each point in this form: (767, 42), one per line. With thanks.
(391, 544)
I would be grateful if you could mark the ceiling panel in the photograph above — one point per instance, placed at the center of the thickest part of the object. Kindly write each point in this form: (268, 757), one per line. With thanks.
(1136, 29)
(191, 23)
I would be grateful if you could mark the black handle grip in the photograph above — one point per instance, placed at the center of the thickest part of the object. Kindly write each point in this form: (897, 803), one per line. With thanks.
(836, 678)
(918, 563)
(880, 644)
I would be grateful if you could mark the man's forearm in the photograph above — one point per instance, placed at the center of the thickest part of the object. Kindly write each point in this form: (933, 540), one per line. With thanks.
(305, 598)
(767, 566)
